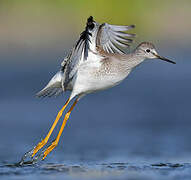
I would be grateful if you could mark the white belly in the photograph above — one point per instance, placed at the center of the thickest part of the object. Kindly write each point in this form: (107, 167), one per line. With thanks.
(89, 79)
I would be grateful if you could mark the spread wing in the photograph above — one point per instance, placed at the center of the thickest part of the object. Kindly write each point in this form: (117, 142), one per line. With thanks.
(60, 80)
(112, 38)
(70, 63)
(78, 53)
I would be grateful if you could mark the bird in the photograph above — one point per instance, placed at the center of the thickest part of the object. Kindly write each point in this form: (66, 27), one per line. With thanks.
(96, 62)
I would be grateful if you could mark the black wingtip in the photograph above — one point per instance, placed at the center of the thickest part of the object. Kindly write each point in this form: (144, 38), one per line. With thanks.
(90, 24)
(90, 19)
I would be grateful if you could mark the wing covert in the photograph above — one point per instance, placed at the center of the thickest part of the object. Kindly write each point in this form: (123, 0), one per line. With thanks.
(111, 38)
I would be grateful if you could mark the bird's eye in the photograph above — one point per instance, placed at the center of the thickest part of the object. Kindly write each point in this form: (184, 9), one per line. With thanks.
(148, 50)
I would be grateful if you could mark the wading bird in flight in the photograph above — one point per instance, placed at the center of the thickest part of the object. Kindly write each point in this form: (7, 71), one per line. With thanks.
(96, 62)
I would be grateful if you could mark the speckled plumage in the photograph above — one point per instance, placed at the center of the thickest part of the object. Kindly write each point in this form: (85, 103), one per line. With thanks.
(105, 36)
(96, 63)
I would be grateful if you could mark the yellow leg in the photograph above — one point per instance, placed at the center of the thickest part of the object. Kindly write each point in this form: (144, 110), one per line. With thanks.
(55, 142)
(45, 140)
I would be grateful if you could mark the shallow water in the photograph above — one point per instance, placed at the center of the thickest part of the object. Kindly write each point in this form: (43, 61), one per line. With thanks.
(97, 171)
(137, 130)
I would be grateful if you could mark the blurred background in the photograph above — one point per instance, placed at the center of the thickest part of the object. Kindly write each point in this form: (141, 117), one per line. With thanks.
(146, 118)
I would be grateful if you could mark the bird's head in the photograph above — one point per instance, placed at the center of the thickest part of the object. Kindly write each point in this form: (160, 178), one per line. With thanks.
(147, 50)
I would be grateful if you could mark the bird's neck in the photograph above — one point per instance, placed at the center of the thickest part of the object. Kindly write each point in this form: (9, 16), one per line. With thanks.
(132, 60)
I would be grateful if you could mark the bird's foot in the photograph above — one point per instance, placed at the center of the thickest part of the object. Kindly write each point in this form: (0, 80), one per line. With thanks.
(26, 156)
(41, 156)
(30, 154)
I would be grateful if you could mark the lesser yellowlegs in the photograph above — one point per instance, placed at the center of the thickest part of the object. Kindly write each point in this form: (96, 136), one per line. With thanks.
(95, 63)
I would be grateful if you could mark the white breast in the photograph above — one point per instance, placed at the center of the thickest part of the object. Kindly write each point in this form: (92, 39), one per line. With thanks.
(89, 78)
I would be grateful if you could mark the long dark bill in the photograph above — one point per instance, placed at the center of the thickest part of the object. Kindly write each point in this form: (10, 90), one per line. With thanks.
(164, 59)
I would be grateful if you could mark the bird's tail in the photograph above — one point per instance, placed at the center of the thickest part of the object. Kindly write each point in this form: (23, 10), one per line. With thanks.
(53, 88)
